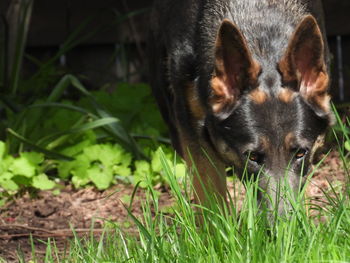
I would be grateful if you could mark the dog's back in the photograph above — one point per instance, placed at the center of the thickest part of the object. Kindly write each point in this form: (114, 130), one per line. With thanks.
(186, 29)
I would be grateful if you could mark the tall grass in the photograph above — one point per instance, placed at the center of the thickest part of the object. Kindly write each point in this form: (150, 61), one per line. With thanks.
(247, 236)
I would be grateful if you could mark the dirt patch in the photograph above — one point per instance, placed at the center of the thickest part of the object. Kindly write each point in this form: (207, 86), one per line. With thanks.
(54, 216)
(50, 215)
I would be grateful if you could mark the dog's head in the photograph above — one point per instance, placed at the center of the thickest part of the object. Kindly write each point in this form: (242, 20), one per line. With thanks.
(270, 119)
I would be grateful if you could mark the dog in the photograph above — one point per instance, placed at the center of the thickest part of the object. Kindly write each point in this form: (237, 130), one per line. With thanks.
(242, 83)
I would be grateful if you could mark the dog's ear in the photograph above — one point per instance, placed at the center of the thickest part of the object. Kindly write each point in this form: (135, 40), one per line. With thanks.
(235, 68)
(303, 63)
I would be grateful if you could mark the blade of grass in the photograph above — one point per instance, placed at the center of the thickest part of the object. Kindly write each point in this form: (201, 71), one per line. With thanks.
(32, 145)
(19, 19)
(116, 129)
(83, 127)
(63, 106)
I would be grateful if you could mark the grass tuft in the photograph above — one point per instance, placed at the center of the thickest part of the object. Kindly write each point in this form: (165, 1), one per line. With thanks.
(247, 236)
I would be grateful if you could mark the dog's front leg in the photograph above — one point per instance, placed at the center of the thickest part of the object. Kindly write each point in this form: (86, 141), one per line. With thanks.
(208, 173)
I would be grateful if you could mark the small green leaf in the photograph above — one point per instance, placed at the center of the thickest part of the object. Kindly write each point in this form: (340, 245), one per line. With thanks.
(108, 154)
(6, 176)
(142, 167)
(142, 170)
(121, 170)
(126, 159)
(156, 163)
(102, 178)
(56, 192)
(180, 170)
(42, 182)
(75, 168)
(80, 181)
(103, 153)
(22, 166)
(33, 157)
(64, 168)
(22, 180)
(347, 146)
(80, 166)
(2, 149)
(7, 183)
(5, 163)
(77, 148)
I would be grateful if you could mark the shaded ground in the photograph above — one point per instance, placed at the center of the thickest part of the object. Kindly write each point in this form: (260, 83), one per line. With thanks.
(50, 215)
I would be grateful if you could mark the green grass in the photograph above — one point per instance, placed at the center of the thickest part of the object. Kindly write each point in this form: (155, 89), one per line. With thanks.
(247, 236)
(243, 237)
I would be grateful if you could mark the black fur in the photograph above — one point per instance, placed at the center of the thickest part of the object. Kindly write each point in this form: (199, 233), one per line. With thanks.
(182, 53)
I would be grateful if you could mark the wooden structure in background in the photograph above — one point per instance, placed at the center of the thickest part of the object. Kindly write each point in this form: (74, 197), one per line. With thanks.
(53, 21)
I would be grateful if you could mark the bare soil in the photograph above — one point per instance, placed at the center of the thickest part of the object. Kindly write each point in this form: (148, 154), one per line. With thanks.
(53, 216)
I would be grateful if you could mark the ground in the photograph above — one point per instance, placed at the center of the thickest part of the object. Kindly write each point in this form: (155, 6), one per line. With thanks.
(48, 215)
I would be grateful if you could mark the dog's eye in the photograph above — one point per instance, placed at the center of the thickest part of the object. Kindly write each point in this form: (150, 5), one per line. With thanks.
(255, 157)
(300, 153)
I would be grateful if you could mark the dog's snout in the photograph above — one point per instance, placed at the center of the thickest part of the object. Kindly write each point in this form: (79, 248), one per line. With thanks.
(277, 194)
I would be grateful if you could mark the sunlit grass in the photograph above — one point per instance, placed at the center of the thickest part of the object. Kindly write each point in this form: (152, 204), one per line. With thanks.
(221, 236)
(191, 233)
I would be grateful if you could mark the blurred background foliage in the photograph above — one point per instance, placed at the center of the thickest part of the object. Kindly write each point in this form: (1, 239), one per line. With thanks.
(54, 130)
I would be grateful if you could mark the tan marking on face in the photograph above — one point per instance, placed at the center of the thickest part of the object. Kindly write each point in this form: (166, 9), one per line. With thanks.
(265, 142)
(194, 103)
(258, 96)
(288, 140)
(286, 95)
(222, 94)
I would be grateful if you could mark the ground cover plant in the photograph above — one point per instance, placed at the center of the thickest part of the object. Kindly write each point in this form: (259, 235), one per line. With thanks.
(174, 235)
(88, 149)
(53, 130)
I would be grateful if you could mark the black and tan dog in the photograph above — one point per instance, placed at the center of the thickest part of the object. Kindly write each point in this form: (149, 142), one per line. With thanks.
(242, 81)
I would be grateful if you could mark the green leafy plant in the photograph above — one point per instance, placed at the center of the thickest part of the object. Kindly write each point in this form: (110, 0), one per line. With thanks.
(27, 169)
(98, 163)
(103, 164)
(88, 143)
(66, 121)
(96, 139)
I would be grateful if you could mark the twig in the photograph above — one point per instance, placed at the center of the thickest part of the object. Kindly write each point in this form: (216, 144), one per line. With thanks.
(6, 226)
(55, 233)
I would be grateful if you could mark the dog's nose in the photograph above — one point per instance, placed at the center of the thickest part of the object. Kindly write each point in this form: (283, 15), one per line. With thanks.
(282, 212)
